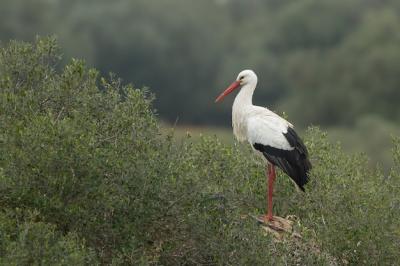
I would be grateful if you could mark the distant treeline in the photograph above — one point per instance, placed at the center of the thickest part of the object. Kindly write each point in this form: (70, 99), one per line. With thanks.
(322, 62)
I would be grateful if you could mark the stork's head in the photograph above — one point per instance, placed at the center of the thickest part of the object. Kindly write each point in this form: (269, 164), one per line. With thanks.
(245, 77)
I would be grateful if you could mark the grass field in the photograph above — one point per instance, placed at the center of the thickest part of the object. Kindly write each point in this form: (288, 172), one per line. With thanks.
(195, 132)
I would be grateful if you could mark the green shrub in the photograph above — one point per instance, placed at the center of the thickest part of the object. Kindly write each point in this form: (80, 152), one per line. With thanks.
(23, 241)
(87, 177)
(351, 206)
(74, 150)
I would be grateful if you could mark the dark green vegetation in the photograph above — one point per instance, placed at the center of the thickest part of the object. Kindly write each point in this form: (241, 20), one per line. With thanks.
(329, 63)
(86, 177)
(322, 62)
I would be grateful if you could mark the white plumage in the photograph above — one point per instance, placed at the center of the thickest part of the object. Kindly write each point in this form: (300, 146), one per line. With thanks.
(268, 134)
(268, 130)
(256, 124)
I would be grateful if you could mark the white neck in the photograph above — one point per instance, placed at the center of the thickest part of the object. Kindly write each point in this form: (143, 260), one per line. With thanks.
(239, 109)
(245, 96)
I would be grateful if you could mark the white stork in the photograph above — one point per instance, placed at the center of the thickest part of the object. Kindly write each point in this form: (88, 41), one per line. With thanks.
(269, 135)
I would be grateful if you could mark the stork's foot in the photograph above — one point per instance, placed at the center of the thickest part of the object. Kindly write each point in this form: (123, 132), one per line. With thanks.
(276, 223)
(265, 219)
(279, 227)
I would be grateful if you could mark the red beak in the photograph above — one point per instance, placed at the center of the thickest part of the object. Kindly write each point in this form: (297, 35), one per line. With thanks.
(231, 88)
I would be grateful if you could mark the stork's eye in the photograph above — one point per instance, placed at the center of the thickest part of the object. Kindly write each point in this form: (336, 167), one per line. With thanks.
(241, 78)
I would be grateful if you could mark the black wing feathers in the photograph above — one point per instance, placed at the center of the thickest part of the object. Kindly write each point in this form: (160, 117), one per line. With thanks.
(294, 163)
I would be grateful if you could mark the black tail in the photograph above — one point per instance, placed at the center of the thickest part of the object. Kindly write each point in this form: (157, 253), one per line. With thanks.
(295, 163)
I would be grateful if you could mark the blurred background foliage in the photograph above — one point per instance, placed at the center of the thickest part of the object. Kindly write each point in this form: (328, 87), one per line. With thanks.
(329, 63)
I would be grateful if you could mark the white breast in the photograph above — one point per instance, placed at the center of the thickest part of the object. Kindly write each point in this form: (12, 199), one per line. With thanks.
(239, 124)
(260, 125)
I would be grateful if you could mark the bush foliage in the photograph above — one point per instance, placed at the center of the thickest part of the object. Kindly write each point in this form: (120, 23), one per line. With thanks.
(87, 178)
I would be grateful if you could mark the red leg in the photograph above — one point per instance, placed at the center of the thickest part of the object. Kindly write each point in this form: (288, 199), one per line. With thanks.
(271, 180)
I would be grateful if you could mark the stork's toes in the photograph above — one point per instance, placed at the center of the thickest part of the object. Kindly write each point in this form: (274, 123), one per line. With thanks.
(265, 219)
(276, 223)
